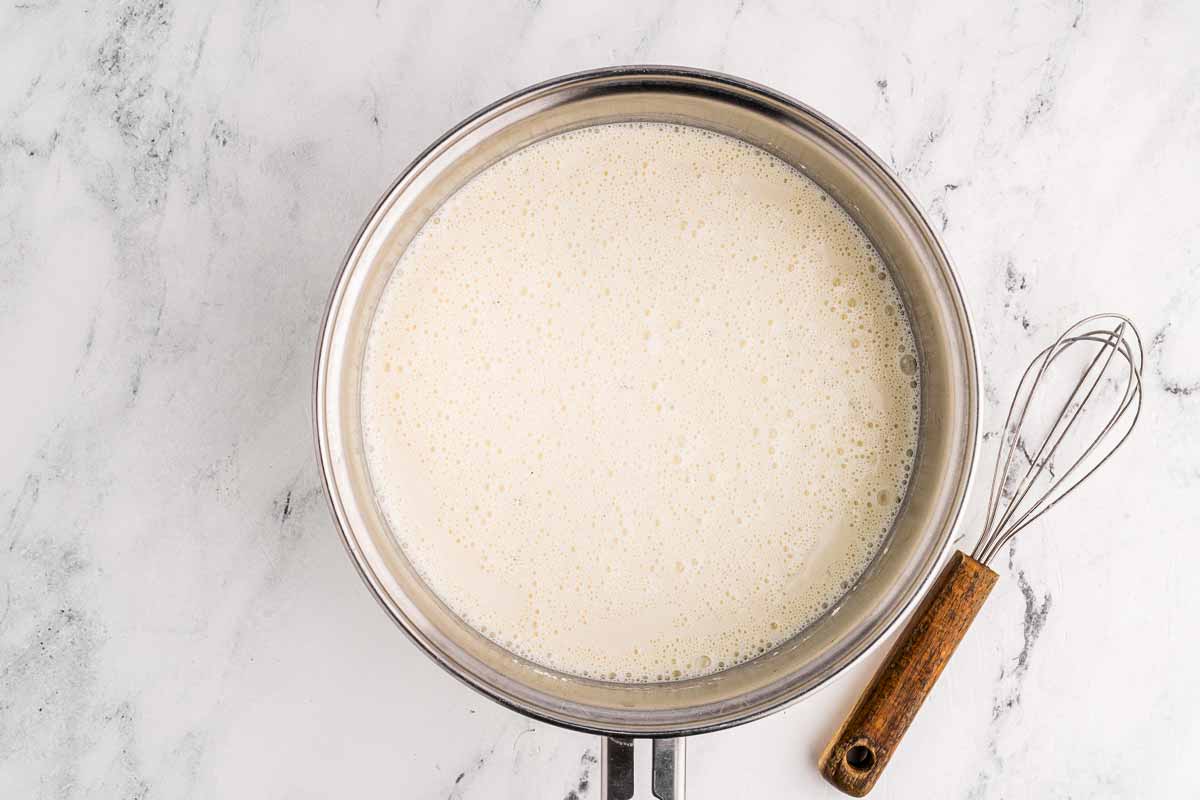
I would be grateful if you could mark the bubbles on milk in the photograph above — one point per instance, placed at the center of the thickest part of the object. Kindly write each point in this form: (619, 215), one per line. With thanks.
(640, 402)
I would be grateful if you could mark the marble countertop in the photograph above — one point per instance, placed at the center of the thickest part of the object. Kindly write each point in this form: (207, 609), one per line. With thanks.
(178, 184)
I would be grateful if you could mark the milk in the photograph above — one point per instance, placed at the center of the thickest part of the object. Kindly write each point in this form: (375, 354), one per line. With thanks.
(639, 402)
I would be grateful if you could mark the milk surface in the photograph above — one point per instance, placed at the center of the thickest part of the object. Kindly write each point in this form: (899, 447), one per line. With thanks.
(640, 402)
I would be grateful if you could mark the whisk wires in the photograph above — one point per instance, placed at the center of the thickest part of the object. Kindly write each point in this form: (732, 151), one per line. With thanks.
(1014, 504)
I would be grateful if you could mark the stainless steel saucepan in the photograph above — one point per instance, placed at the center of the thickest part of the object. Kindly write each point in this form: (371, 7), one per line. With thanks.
(853, 176)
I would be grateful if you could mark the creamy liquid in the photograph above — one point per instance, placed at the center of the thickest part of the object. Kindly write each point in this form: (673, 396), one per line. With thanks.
(640, 402)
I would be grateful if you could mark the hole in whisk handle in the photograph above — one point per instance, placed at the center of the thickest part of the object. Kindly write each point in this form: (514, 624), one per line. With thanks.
(860, 758)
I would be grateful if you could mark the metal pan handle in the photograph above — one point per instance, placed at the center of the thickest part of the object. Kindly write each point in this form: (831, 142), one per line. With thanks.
(617, 768)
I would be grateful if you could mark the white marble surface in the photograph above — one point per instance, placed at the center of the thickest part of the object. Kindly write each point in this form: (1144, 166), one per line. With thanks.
(178, 182)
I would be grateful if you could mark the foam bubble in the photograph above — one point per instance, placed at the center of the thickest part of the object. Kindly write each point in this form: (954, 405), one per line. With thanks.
(637, 403)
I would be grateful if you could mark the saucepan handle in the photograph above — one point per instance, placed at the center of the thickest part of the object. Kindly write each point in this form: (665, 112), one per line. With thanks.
(617, 768)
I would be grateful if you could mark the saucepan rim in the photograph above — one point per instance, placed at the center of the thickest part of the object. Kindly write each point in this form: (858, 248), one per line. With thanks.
(551, 712)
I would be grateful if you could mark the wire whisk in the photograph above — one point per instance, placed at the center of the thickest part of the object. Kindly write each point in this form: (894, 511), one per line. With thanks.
(1026, 483)
(1042, 458)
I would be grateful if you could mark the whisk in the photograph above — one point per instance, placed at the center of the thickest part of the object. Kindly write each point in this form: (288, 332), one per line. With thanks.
(1028, 481)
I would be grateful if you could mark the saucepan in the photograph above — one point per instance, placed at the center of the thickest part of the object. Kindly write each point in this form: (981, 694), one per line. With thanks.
(665, 711)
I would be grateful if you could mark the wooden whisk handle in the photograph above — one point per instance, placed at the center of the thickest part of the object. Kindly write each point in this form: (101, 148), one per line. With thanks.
(857, 755)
